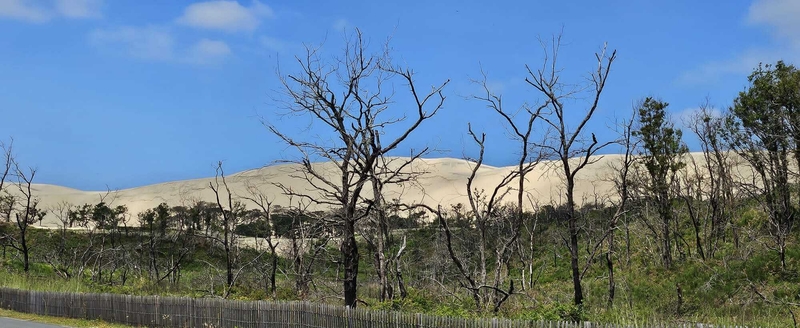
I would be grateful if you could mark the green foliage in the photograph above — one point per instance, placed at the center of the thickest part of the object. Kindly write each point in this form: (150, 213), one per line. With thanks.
(769, 110)
(258, 228)
(554, 312)
(106, 217)
(660, 140)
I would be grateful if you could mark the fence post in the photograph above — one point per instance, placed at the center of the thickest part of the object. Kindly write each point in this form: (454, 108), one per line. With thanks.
(349, 312)
(189, 313)
(155, 309)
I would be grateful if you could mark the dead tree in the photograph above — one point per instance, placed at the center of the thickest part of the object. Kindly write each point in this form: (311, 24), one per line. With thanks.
(6, 199)
(27, 214)
(264, 205)
(378, 227)
(8, 163)
(622, 170)
(59, 257)
(498, 227)
(484, 210)
(229, 215)
(309, 236)
(718, 187)
(570, 146)
(349, 101)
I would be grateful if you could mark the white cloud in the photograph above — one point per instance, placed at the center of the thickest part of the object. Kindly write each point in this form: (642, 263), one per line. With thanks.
(276, 44)
(496, 87)
(224, 15)
(79, 8)
(742, 64)
(261, 9)
(779, 15)
(151, 43)
(684, 119)
(272, 43)
(23, 10)
(207, 51)
(34, 12)
(340, 24)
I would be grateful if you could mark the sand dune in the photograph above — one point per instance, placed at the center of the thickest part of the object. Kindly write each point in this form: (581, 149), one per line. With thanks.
(443, 183)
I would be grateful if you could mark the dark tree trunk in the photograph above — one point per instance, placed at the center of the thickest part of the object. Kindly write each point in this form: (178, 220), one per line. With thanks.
(350, 258)
(400, 284)
(573, 241)
(611, 283)
(228, 262)
(273, 270)
(664, 212)
(25, 252)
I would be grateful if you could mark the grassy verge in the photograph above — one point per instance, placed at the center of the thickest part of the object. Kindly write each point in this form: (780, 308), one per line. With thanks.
(58, 320)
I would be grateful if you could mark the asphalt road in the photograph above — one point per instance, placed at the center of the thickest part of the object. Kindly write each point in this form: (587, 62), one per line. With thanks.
(16, 323)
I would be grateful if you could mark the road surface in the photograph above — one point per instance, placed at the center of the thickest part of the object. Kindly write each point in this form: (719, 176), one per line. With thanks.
(16, 323)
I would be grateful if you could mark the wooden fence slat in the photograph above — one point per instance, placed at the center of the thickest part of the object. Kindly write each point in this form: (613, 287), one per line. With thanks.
(159, 311)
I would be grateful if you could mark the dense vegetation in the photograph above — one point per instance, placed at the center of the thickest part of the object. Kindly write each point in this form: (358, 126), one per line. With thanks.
(701, 239)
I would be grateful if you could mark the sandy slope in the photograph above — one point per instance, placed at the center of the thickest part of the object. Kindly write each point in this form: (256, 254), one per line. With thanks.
(444, 182)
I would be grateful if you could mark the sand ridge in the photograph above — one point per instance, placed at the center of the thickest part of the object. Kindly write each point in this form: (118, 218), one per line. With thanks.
(442, 183)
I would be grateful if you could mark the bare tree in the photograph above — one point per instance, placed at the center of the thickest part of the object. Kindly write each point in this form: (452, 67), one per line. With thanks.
(378, 229)
(309, 235)
(498, 227)
(570, 146)
(717, 188)
(6, 199)
(621, 179)
(230, 211)
(8, 163)
(28, 213)
(264, 205)
(349, 99)
(484, 212)
(59, 257)
(487, 211)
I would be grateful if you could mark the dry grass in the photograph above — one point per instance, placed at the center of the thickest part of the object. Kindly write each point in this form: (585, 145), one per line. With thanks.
(59, 321)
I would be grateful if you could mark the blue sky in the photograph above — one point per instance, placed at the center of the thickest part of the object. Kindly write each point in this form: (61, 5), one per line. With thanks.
(126, 93)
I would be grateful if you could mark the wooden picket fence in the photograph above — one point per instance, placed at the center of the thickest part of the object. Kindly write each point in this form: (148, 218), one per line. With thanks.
(156, 311)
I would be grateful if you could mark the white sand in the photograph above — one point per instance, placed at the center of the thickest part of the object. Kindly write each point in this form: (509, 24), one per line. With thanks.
(443, 184)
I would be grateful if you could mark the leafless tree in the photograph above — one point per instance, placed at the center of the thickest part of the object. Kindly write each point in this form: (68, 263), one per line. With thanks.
(58, 257)
(8, 164)
(6, 199)
(264, 205)
(27, 214)
(622, 170)
(487, 210)
(229, 211)
(717, 188)
(349, 99)
(531, 226)
(570, 145)
(378, 227)
(309, 236)
(497, 227)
